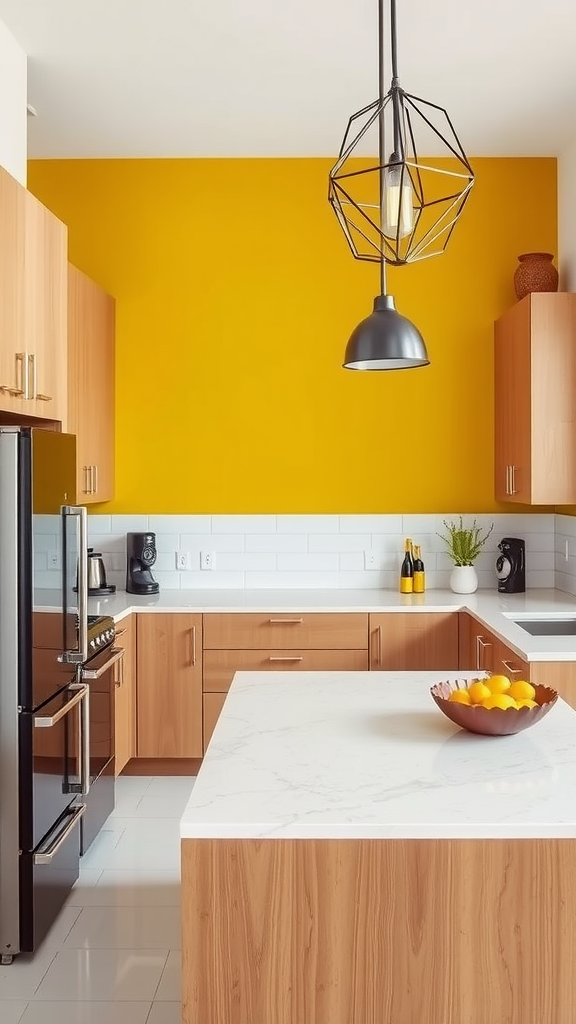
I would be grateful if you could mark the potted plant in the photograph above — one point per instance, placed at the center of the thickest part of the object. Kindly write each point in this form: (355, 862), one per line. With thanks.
(463, 545)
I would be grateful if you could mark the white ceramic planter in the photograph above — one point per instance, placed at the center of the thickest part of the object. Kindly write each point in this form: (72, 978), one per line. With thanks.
(463, 579)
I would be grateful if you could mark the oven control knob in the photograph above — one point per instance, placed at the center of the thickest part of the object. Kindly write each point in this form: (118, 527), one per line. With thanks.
(92, 643)
(98, 641)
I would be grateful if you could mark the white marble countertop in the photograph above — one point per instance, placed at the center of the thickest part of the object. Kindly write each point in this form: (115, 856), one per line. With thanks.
(369, 755)
(490, 608)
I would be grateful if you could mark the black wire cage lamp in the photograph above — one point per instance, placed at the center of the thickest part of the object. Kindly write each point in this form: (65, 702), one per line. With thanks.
(399, 207)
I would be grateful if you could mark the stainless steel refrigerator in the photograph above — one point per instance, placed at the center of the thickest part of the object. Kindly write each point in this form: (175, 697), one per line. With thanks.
(44, 700)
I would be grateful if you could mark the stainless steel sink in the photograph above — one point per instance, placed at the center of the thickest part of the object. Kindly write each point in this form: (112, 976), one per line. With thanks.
(548, 627)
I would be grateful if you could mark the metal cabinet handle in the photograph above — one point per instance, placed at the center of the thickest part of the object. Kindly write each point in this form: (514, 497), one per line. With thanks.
(46, 853)
(512, 479)
(95, 479)
(481, 646)
(295, 622)
(510, 669)
(294, 657)
(5, 389)
(119, 633)
(31, 366)
(507, 479)
(91, 471)
(43, 398)
(22, 375)
(193, 646)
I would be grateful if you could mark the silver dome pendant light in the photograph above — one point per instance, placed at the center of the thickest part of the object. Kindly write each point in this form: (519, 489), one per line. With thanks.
(398, 210)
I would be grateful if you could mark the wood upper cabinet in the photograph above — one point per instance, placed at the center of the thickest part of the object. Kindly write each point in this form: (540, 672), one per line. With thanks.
(169, 696)
(91, 356)
(125, 694)
(33, 306)
(535, 410)
(418, 641)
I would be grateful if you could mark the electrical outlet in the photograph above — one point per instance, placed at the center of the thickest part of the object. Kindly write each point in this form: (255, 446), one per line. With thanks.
(54, 559)
(208, 560)
(183, 560)
(370, 561)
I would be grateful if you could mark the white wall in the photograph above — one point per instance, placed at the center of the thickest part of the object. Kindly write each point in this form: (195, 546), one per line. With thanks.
(567, 218)
(13, 92)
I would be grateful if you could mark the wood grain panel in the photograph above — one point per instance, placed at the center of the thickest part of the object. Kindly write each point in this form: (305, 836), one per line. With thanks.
(220, 666)
(125, 695)
(561, 676)
(279, 630)
(367, 932)
(169, 666)
(91, 384)
(12, 197)
(212, 704)
(414, 641)
(512, 389)
(553, 398)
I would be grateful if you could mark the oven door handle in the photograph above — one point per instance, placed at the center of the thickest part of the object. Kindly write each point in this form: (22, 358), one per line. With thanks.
(47, 721)
(90, 674)
(57, 837)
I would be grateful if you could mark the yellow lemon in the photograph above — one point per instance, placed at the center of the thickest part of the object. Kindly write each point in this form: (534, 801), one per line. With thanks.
(459, 697)
(521, 690)
(526, 704)
(498, 684)
(499, 700)
(478, 691)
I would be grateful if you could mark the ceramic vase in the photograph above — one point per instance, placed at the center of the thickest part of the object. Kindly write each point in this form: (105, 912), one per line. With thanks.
(535, 273)
(463, 579)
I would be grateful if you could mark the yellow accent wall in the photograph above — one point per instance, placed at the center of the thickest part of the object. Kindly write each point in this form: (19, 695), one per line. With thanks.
(236, 294)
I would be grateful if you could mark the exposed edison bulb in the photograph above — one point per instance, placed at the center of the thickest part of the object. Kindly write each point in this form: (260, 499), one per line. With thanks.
(398, 202)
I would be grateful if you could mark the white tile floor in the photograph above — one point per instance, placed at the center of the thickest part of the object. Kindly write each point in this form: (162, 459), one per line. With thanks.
(113, 955)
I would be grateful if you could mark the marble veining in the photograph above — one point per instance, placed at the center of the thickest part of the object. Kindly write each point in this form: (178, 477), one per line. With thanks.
(368, 755)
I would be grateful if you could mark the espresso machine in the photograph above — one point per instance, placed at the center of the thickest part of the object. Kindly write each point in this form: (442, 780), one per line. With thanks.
(511, 566)
(140, 557)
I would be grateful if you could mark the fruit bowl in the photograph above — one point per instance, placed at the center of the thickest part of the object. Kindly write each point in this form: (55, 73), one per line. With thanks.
(491, 721)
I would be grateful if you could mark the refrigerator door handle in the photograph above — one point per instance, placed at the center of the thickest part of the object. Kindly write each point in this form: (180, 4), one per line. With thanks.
(84, 731)
(79, 655)
(55, 839)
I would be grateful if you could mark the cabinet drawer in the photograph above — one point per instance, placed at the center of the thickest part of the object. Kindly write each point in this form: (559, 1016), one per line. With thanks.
(273, 631)
(220, 666)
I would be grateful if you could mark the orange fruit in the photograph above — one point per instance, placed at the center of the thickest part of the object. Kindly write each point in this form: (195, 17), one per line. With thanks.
(478, 691)
(498, 684)
(521, 690)
(526, 704)
(499, 700)
(459, 697)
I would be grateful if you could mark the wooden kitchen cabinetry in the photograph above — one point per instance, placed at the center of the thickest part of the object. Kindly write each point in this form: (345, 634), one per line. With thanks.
(169, 693)
(535, 411)
(413, 641)
(476, 645)
(125, 694)
(33, 313)
(276, 642)
(91, 355)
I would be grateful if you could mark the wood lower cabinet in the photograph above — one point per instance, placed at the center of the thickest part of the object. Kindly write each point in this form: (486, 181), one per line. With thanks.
(477, 645)
(33, 307)
(169, 702)
(414, 641)
(535, 414)
(561, 676)
(91, 354)
(125, 695)
(277, 642)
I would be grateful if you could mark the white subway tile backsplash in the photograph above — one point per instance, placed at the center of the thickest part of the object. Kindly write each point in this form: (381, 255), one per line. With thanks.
(371, 524)
(319, 542)
(308, 524)
(321, 551)
(244, 524)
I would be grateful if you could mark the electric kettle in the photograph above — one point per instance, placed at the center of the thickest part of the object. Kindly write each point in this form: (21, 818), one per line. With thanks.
(97, 584)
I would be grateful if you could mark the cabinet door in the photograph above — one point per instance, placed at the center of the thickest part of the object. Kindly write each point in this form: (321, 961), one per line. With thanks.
(169, 695)
(561, 676)
(512, 408)
(91, 354)
(125, 695)
(212, 706)
(12, 229)
(406, 641)
(45, 311)
(220, 666)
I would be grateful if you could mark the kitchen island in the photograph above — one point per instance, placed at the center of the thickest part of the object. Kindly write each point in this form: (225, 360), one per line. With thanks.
(350, 857)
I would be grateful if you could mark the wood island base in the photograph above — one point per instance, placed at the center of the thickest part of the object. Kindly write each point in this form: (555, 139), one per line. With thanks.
(423, 931)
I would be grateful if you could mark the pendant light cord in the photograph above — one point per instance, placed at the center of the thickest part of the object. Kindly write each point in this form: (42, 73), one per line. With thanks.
(381, 135)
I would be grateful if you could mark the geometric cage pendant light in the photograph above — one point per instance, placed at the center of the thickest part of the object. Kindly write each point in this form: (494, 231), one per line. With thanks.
(398, 207)
(411, 213)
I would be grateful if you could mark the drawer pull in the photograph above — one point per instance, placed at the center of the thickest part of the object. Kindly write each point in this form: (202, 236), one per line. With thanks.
(43, 398)
(293, 657)
(481, 646)
(120, 632)
(512, 671)
(11, 391)
(193, 646)
(296, 622)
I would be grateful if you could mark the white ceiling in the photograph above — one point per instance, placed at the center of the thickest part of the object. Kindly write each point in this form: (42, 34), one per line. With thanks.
(140, 78)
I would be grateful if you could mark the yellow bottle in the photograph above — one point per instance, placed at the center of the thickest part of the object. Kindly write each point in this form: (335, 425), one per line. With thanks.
(407, 570)
(419, 574)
